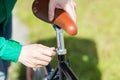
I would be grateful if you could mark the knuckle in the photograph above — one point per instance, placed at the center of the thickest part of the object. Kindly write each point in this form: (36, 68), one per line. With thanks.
(34, 55)
(34, 63)
(51, 53)
(33, 66)
(49, 59)
(45, 63)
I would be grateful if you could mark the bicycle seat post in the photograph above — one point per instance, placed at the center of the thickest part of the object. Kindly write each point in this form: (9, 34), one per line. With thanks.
(60, 41)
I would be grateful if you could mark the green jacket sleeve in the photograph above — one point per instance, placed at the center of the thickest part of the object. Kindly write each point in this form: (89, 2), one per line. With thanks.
(9, 49)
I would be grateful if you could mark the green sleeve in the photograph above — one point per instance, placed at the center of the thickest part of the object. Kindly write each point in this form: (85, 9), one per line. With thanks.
(9, 49)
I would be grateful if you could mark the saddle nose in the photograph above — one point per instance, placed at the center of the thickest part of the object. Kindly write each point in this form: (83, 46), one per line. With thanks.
(61, 18)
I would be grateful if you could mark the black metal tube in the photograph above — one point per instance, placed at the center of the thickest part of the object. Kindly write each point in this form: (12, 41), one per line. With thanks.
(67, 71)
(53, 74)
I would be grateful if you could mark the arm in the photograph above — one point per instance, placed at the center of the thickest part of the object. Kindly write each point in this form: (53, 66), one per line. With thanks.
(9, 49)
(34, 55)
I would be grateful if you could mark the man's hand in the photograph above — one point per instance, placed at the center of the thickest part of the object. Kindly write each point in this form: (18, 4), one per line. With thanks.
(36, 55)
(67, 5)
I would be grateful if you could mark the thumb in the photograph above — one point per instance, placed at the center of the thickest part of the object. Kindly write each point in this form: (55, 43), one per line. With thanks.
(51, 11)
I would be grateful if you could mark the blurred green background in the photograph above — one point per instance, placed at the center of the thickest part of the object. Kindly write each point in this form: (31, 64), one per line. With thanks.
(94, 52)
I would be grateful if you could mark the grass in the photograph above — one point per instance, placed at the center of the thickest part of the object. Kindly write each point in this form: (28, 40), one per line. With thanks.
(94, 52)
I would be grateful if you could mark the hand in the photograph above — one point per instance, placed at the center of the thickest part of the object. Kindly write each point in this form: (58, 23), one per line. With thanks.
(36, 55)
(67, 5)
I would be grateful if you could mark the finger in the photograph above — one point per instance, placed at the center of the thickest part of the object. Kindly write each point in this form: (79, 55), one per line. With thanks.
(38, 65)
(39, 62)
(70, 8)
(46, 50)
(42, 57)
(53, 49)
(51, 10)
(40, 45)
